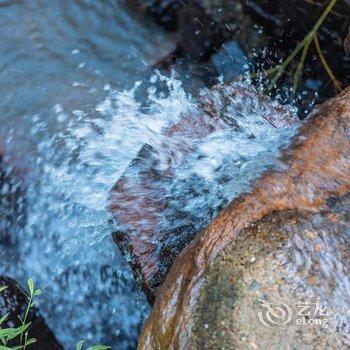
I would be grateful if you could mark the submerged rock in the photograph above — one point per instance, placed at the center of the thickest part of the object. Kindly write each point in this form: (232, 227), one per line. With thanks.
(304, 206)
(14, 302)
(198, 34)
(202, 27)
(178, 184)
(260, 33)
(163, 11)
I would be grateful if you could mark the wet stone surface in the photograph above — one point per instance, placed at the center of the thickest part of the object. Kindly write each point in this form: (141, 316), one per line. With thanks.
(262, 33)
(198, 34)
(283, 283)
(175, 187)
(291, 230)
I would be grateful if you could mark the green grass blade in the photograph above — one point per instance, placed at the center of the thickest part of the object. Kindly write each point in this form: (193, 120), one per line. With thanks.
(300, 67)
(80, 345)
(99, 347)
(2, 319)
(11, 333)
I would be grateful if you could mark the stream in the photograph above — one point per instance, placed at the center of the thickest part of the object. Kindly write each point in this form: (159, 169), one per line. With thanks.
(61, 60)
(80, 96)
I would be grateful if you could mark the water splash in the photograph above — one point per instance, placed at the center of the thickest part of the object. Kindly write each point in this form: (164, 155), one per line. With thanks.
(66, 243)
(185, 175)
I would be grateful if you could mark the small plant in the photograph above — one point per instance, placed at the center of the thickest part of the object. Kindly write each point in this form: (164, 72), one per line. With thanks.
(94, 347)
(21, 333)
(303, 47)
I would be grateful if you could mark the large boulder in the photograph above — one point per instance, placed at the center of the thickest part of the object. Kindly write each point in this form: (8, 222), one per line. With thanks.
(283, 283)
(177, 185)
(299, 214)
(13, 302)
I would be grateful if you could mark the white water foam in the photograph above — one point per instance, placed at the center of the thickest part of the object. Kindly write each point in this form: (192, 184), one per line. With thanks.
(66, 243)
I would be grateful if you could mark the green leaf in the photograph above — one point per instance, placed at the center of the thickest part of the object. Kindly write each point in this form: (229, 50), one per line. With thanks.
(11, 333)
(2, 319)
(80, 345)
(37, 292)
(2, 347)
(3, 288)
(30, 283)
(20, 347)
(31, 341)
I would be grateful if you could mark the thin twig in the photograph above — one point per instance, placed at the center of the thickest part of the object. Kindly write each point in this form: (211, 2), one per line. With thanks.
(336, 83)
(286, 62)
(300, 66)
(269, 71)
(305, 42)
(316, 3)
(267, 119)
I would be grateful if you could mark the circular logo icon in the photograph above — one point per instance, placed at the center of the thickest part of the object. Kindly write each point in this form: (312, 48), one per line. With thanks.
(274, 315)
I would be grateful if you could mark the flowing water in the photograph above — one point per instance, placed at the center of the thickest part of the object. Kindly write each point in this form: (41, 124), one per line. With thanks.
(79, 99)
(59, 60)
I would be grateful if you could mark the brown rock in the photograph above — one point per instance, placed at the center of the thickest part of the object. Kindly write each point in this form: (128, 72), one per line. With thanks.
(256, 289)
(141, 200)
(14, 302)
(316, 168)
